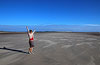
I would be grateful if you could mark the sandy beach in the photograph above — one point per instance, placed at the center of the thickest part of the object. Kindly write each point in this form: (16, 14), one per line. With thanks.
(50, 49)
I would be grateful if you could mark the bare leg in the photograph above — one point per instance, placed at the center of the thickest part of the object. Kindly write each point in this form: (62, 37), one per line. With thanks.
(30, 49)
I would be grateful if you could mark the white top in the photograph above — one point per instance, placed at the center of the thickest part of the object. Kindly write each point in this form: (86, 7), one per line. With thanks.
(31, 35)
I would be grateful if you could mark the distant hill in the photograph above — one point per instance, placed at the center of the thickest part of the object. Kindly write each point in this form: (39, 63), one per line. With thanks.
(62, 28)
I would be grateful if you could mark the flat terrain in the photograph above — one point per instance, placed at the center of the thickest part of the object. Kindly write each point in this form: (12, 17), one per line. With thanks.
(51, 49)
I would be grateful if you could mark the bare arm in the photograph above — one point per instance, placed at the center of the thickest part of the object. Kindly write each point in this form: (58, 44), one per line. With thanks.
(34, 31)
(27, 29)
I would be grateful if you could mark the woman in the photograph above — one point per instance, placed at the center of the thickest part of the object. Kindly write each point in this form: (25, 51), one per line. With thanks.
(31, 40)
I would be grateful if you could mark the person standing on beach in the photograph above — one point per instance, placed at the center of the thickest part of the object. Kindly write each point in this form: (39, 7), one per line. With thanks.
(31, 40)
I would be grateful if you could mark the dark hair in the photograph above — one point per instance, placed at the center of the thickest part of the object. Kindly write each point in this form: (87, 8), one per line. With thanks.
(30, 30)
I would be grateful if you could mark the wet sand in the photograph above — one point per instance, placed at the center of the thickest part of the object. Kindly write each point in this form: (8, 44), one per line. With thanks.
(50, 49)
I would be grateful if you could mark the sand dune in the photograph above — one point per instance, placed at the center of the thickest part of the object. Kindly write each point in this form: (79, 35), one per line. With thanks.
(50, 49)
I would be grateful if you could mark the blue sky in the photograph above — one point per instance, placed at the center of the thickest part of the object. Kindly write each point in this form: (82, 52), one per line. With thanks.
(49, 12)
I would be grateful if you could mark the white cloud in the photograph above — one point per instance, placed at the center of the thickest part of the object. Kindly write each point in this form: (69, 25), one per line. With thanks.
(92, 24)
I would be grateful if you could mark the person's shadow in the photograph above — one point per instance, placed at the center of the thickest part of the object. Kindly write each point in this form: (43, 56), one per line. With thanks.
(4, 48)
